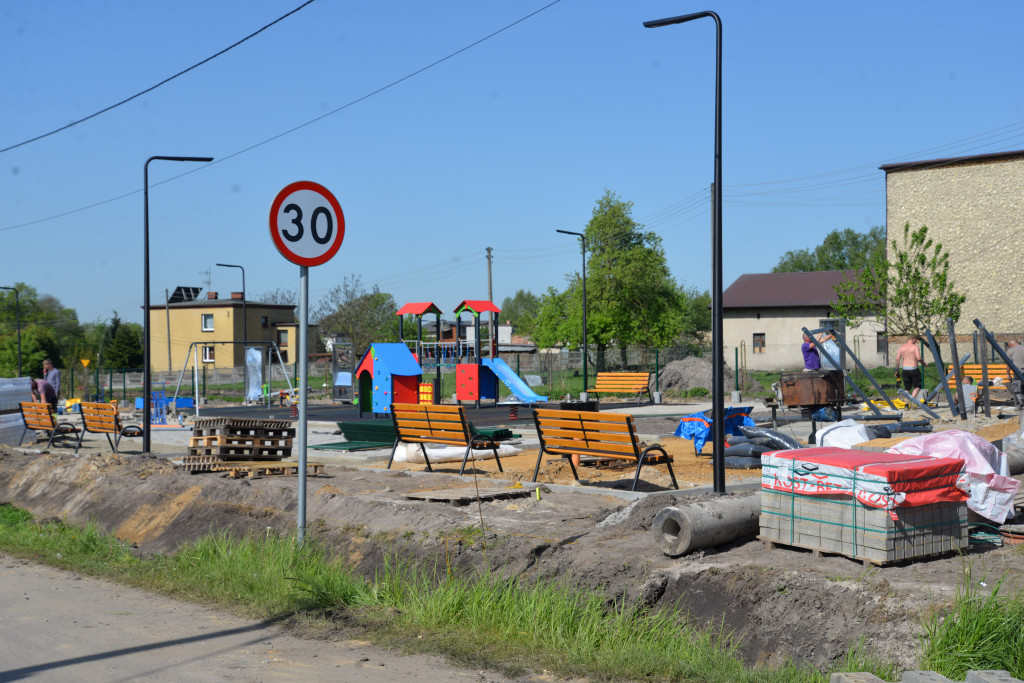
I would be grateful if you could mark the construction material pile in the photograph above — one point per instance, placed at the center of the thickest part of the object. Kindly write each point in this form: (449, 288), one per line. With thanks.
(873, 507)
(240, 447)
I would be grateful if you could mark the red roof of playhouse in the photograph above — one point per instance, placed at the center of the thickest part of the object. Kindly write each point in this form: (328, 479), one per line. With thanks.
(419, 309)
(476, 307)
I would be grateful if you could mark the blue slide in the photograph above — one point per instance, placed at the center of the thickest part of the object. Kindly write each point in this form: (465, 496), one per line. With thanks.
(517, 386)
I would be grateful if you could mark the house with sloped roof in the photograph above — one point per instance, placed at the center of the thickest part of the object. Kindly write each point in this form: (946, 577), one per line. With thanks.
(763, 314)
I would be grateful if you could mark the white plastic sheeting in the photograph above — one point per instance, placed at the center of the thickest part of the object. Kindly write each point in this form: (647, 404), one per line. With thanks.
(992, 487)
(411, 453)
(845, 434)
(253, 373)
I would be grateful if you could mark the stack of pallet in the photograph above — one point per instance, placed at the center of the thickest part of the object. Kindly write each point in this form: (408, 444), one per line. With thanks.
(874, 507)
(242, 447)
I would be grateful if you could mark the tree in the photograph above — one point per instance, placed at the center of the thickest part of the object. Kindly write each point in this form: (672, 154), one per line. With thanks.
(37, 343)
(362, 316)
(122, 347)
(521, 310)
(42, 310)
(841, 250)
(908, 294)
(696, 318)
(631, 296)
(288, 297)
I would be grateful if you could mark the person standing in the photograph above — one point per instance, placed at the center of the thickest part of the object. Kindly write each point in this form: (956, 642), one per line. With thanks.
(812, 359)
(52, 375)
(1016, 353)
(908, 360)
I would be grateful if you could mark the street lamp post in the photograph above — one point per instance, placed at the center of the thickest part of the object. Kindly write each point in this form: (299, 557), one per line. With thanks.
(245, 315)
(583, 240)
(718, 351)
(17, 312)
(146, 377)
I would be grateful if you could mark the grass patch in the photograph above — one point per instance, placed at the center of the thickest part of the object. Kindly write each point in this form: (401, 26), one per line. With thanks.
(484, 621)
(983, 630)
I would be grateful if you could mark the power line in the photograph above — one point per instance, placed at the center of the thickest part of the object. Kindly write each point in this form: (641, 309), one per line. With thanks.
(154, 87)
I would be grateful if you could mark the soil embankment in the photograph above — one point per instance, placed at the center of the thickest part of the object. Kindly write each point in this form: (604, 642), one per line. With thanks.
(781, 602)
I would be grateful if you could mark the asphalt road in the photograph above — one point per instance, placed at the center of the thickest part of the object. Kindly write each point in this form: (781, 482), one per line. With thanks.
(57, 626)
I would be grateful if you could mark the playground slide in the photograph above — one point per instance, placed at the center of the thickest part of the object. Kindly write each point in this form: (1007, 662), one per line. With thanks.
(517, 386)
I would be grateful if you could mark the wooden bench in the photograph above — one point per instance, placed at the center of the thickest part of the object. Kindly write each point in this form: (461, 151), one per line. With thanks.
(425, 423)
(605, 435)
(973, 370)
(37, 416)
(102, 418)
(623, 383)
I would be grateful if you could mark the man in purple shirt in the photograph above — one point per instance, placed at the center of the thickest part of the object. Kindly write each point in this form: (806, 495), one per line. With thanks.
(812, 359)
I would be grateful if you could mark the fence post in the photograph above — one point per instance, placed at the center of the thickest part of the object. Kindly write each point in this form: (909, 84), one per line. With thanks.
(204, 382)
(72, 381)
(736, 365)
(124, 385)
(657, 368)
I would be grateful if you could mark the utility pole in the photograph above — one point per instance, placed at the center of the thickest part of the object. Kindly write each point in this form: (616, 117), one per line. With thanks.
(167, 310)
(490, 297)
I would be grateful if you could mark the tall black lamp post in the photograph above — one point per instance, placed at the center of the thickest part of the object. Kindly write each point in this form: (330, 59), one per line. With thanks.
(146, 377)
(583, 240)
(245, 315)
(718, 351)
(17, 312)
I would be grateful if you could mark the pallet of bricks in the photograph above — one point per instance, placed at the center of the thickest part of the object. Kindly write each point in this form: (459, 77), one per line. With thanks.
(242, 447)
(873, 507)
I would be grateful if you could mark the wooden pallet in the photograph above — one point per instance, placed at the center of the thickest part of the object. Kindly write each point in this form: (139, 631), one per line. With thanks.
(818, 552)
(467, 495)
(240, 440)
(237, 452)
(255, 470)
(226, 426)
(196, 464)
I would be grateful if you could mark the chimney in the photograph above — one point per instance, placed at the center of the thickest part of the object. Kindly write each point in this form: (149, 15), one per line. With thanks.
(211, 296)
(236, 295)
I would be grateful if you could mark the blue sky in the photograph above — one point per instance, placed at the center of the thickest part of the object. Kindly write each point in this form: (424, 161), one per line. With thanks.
(498, 146)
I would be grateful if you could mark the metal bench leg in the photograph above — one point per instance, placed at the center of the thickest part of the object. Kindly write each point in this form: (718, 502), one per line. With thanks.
(536, 470)
(423, 447)
(112, 446)
(675, 485)
(636, 477)
(392, 458)
(465, 458)
(573, 468)
(81, 435)
(23, 436)
(53, 433)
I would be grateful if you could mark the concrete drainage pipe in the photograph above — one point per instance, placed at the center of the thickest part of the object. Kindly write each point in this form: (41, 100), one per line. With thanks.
(679, 530)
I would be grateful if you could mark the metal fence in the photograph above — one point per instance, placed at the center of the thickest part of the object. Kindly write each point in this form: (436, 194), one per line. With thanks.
(551, 372)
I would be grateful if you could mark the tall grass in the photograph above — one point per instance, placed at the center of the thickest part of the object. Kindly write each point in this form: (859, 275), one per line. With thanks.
(983, 630)
(484, 621)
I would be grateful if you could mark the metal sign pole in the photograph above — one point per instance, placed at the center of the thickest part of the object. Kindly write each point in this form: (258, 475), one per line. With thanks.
(303, 382)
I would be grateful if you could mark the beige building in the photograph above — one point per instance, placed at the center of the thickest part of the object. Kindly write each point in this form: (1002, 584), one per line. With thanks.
(763, 315)
(974, 207)
(212, 321)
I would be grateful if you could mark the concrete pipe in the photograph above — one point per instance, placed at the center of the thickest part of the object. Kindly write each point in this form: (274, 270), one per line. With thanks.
(679, 530)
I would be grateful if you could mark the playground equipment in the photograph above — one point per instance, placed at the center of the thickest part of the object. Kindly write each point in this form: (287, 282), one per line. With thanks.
(253, 387)
(387, 374)
(419, 310)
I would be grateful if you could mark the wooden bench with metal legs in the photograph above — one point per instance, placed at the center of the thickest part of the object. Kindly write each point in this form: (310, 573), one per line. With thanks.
(102, 418)
(604, 435)
(623, 383)
(38, 417)
(425, 423)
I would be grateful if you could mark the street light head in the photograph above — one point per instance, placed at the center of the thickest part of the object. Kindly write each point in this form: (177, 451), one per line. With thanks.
(658, 23)
(569, 232)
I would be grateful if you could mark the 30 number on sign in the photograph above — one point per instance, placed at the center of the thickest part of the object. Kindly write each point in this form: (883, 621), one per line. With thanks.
(306, 223)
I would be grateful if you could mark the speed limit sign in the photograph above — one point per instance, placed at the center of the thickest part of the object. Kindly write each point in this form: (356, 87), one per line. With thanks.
(306, 223)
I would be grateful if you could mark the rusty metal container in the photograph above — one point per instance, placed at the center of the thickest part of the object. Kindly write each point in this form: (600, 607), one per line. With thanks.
(808, 389)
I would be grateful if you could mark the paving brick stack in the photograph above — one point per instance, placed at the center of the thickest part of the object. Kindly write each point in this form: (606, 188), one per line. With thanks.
(843, 525)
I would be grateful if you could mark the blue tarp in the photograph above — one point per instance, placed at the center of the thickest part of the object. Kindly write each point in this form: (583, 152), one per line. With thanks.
(697, 427)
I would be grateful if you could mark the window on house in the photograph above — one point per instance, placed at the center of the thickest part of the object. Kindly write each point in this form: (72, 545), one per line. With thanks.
(882, 343)
(759, 342)
(282, 339)
(264, 322)
(207, 354)
(207, 322)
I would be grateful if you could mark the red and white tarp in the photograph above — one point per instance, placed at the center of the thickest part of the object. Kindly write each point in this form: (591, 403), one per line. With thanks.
(880, 480)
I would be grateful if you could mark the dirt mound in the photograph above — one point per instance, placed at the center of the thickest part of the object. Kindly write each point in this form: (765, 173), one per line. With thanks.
(690, 373)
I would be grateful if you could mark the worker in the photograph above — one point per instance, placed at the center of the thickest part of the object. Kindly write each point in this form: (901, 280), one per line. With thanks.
(908, 360)
(1015, 352)
(812, 359)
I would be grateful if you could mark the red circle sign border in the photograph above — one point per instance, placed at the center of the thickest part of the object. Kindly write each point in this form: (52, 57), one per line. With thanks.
(275, 233)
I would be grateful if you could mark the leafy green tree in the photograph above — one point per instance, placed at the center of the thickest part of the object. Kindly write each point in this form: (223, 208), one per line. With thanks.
(37, 343)
(696, 318)
(910, 293)
(41, 310)
(122, 344)
(632, 298)
(521, 310)
(362, 316)
(841, 250)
